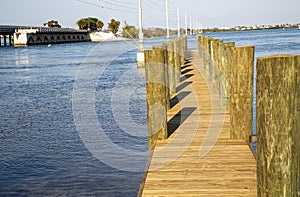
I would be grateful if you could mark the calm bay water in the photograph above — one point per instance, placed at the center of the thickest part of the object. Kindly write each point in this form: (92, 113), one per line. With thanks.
(46, 147)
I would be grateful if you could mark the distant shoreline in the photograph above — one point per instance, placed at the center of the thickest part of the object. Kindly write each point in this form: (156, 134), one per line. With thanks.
(242, 28)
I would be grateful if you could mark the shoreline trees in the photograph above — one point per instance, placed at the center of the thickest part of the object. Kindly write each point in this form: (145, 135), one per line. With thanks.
(52, 23)
(113, 26)
(90, 23)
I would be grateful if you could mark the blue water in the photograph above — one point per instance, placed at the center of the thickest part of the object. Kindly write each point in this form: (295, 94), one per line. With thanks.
(56, 101)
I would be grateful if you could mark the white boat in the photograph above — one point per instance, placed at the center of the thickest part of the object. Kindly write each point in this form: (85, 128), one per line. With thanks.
(102, 36)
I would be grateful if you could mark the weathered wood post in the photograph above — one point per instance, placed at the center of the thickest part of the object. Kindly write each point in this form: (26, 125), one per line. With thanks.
(156, 96)
(241, 96)
(185, 47)
(210, 59)
(171, 65)
(206, 52)
(221, 72)
(215, 45)
(201, 51)
(163, 61)
(278, 130)
(199, 44)
(224, 65)
(182, 51)
(206, 55)
(177, 62)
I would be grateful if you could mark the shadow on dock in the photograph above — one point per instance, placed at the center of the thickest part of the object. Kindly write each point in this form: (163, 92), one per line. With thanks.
(176, 99)
(183, 85)
(179, 119)
(185, 77)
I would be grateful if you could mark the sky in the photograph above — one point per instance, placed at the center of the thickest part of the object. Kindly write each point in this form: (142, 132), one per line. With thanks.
(209, 13)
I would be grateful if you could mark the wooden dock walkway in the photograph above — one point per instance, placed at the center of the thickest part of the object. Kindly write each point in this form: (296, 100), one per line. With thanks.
(199, 158)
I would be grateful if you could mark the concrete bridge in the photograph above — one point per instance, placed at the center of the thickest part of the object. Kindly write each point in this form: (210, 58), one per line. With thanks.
(6, 32)
(24, 35)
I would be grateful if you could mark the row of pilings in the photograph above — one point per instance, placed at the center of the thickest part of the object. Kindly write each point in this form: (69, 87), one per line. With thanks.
(163, 69)
(231, 71)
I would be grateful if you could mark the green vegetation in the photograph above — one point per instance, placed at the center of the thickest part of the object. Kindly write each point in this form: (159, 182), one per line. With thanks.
(90, 23)
(129, 31)
(52, 23)
(132, 32)
(113, 26)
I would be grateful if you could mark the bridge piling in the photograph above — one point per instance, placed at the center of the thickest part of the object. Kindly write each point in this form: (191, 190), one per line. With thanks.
(10, 40)
(4, 40)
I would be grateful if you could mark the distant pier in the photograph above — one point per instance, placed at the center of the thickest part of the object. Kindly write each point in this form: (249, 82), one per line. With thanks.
(24, 35)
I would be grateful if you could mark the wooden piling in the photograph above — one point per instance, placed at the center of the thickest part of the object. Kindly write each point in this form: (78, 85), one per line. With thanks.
(224, 65)
(163, 61)
(185, 48)
(171, 65)
(241, 77)
(278, 128)
(156, 96)
(199, 45)
(182, 51)
(177, 63)
(201, 50)
(215, 45)
(206, 46)
(210, 59)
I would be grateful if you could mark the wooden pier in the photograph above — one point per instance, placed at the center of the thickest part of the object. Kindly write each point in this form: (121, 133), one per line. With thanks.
(199, 132)
(228, 169)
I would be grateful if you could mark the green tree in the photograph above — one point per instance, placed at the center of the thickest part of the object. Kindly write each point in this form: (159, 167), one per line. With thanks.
(99, 24)
(81, 24)
(114, 26)
(130, 31)
(90, 23)
(52, 23)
